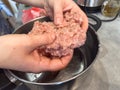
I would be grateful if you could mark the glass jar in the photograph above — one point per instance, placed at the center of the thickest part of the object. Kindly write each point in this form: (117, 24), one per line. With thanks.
(111, 8)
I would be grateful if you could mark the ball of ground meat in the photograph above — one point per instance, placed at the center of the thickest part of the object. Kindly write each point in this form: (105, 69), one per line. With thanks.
(69, 34)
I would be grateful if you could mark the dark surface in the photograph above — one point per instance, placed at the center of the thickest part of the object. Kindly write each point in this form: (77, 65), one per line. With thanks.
(22, 87)
(5, 84)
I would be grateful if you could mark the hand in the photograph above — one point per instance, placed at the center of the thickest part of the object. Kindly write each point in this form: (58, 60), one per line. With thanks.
(18, 52)
(55, 9)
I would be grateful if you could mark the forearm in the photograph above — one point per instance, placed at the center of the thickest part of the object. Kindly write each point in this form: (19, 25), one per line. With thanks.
(36, 3)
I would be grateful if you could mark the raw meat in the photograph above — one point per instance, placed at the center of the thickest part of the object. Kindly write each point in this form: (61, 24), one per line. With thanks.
(69, 35)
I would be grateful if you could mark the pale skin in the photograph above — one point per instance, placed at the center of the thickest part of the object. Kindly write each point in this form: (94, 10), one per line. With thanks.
(18, 51)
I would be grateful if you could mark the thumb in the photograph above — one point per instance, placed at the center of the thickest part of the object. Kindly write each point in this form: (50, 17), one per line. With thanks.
(42, 39)
(58, 12)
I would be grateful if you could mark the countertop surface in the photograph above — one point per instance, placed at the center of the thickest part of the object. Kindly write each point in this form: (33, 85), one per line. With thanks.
(105, 73)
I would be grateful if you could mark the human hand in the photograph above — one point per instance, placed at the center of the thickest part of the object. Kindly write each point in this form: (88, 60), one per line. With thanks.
(55, 9)
(18, 52)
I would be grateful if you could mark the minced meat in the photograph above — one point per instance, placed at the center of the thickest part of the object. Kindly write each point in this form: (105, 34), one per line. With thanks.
(69, 35)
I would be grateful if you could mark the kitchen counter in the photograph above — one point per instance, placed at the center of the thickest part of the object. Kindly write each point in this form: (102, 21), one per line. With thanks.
(105, 73)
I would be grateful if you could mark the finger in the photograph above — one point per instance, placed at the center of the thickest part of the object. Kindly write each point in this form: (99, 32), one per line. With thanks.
(49, 12)
(39, 63)
(65, 60)
(68, 6)
(58, 64)
(41, 39)
(84, 25)
(58, 12)
(47, 64)
(44, 64)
